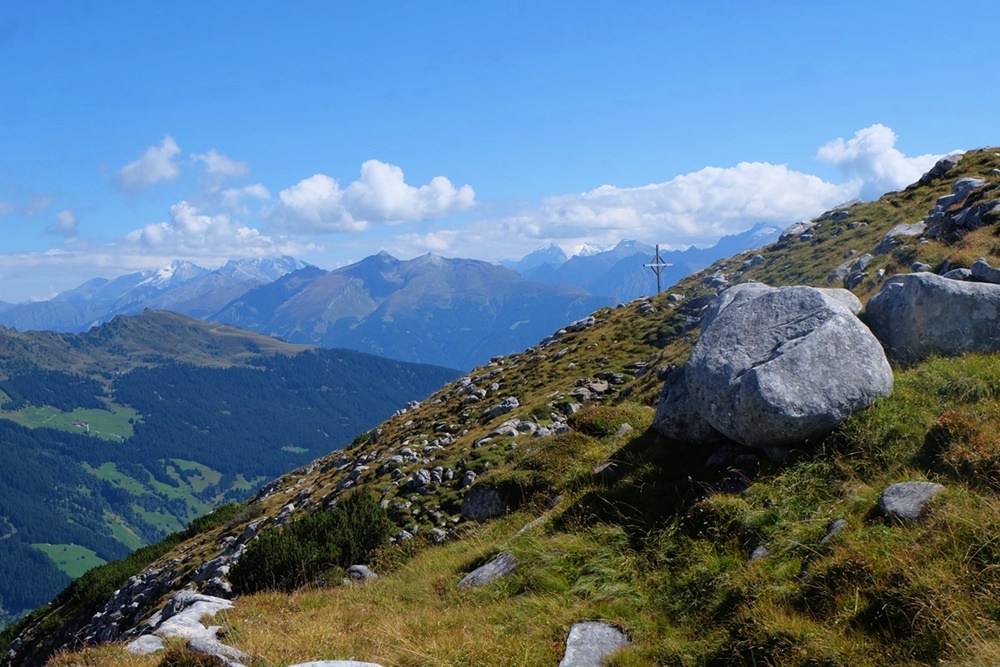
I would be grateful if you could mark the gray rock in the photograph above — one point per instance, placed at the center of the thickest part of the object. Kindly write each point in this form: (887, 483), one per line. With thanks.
(795, 229)
(958, 274)
(500, 566)
(916, 315)
(590, 643)
(508, 404)
(483, 503)
(834, 528)
(920, 267)
(677, 416)
(760, 552)
(893, 236)
(360, 573)
(144, 645)
(905, 501)
(735, 294)
(335, 663)
(982, 271)
(780, 366)
(851, 266)
(940, 168)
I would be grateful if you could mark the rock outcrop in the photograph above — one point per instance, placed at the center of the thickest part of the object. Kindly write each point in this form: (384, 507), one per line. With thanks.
(776, 367)
(916, 315)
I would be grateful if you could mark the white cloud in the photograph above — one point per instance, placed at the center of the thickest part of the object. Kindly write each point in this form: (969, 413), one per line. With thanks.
(218, 164)
(694, 208)
(65, 223)
(381, 195)
(233, 198)
(190, 233)
(873, 162)
(157, 165)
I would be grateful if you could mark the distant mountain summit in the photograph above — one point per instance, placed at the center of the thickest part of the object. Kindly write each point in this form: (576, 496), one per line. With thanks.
(430, 309)
(620, 272)
(181, 286)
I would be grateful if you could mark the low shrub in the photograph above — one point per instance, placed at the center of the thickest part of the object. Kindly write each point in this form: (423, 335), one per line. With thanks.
(308, 548)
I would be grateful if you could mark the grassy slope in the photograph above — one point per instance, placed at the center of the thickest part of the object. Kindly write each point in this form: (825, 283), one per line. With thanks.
(655, 549)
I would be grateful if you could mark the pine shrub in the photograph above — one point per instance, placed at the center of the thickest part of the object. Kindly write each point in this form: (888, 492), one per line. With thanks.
(305, 550)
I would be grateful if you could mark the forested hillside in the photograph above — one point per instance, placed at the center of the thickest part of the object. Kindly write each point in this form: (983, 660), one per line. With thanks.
(95, 466)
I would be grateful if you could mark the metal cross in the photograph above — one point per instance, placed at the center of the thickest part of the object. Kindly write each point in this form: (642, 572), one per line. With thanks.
(657, 265)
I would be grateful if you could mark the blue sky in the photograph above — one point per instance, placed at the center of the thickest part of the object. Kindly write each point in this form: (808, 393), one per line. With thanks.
(132, 134)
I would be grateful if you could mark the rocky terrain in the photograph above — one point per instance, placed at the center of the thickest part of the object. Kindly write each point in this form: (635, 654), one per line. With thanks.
(800, 469)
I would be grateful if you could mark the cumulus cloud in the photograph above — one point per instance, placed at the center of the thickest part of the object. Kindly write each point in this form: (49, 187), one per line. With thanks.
(191, 232)
(65, 224)
(693, 208)
(157, 165)
(218, 164)
(380, 195)
(234, 198)
(873, 163)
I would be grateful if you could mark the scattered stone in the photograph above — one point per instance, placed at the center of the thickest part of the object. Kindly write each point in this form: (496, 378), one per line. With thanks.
(360, 574)
(982, 271)
(590, 643)
(508, 404)
(760, 552)
(581, 324)
(940, 168)
(958, 274)
(674, 297)
(335, 663)
(916, 315)
(500, 566)
(906, 501)
(893, 236)
(834, 528)
(852, 266)
(483, 503)
(920, 267)
(795, 229)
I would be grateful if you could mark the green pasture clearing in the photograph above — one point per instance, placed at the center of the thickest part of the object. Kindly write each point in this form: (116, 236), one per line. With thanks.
(72, 559)
(114, 424)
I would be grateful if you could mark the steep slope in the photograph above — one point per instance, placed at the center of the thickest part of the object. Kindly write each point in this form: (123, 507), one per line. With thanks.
(617, 523)
(116, 437)
(451, 312)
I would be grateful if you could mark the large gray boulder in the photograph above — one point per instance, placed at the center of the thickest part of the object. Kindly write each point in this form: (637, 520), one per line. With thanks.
(916, 315)
(777, 367)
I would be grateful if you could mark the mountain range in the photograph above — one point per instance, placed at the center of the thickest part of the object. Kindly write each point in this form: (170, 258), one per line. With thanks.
(450, 312)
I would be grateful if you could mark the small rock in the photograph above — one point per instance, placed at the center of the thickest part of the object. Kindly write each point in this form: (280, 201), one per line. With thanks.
(906, 501)
(590, 643)
(982, 271)
(760, 552)
(500, 566)
(144, 645)
(834, 528)
(958, 274)
(335, 663)
(360, 573)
